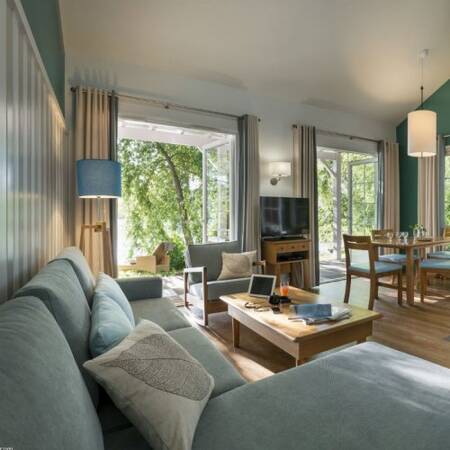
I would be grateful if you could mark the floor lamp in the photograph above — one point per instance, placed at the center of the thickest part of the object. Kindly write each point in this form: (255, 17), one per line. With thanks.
(99, 179)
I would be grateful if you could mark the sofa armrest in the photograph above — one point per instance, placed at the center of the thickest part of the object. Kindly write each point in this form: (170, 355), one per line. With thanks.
(141, 288)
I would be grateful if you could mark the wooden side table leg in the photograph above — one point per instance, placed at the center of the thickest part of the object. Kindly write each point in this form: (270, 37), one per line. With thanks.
(236, 332)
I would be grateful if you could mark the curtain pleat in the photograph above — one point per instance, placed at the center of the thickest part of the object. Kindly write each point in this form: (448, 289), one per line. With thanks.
(305, 185)
(92, 140)
(391, 186)
(248, 184)
(428, 192)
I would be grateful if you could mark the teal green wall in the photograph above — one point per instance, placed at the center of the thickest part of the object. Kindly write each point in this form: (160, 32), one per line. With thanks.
(439, 102)
(45, 21)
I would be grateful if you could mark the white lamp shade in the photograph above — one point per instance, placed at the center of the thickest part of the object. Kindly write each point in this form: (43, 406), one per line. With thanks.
(422, 131)
(280, 169)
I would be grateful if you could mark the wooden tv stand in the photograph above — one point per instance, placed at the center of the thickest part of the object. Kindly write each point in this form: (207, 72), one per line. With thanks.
(281, 255)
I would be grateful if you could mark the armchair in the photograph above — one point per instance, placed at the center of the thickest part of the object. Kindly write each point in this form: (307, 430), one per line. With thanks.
(201, 284)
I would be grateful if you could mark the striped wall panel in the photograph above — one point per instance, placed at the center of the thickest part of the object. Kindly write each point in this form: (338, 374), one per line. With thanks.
(34, 160)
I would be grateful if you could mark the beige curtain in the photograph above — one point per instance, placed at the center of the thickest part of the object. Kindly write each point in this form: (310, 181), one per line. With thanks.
(431, 190)
(248, 203)
(92, 140)
(428, 195)
(305, 185)
(391, 185)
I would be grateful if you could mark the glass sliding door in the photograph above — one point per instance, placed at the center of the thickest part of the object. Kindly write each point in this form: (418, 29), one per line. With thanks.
(347, 188)
(362, 196)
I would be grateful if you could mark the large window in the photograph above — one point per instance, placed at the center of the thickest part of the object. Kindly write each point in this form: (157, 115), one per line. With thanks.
(218, 192)
(177, 187)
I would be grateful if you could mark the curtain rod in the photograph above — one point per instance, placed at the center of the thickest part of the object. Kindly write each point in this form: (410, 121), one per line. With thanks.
(168, 105)
(349, 136)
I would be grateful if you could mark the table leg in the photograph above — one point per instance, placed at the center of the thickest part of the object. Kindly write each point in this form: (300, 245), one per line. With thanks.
(236, 332)
(410, 275)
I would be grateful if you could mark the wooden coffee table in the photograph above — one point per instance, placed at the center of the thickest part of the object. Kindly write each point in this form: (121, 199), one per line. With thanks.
(296, 338)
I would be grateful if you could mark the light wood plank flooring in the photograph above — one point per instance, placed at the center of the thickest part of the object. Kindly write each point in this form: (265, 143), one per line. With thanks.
(422, 330)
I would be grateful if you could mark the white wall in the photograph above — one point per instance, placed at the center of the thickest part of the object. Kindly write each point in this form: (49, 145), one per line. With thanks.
(277, 116)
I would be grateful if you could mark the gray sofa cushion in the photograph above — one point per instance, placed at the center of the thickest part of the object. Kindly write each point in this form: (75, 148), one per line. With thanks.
(226, 377)
(161, 311)
(220, 287)
(364, 397)
(44, 401)
(209, 255)
(81, 267)
(141, 287)
(58, 287)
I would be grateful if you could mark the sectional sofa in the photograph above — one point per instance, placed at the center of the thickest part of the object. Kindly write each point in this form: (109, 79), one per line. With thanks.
(364, 397)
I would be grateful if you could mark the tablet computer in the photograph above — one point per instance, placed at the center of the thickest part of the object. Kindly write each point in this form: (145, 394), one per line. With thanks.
(262, 285)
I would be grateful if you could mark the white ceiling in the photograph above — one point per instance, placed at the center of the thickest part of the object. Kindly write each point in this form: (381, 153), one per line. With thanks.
(353, 55)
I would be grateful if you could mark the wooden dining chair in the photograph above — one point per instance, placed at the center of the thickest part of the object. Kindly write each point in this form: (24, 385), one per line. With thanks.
(441, 254)
(372, 269)
(432, 267)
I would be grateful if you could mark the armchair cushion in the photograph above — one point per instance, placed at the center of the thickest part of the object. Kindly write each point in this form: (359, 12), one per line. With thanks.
(209, 256)
(220, 287)
(237, 265)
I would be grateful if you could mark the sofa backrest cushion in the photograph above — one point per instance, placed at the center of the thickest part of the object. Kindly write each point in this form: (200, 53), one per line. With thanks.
(209, 255)
(109, 287)
(81, 268)
(44, 401)
(58, 287)
(109, 325)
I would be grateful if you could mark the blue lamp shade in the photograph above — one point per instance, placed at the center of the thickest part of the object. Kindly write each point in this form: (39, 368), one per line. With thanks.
(99, 178)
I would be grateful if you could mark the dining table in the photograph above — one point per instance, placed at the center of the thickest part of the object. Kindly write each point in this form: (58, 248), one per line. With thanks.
(409, 247)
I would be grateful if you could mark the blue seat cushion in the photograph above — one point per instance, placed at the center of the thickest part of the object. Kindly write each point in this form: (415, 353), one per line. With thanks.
(81, 267)
(109, 287)
(380, 267)
(444, 254)
(226, 377)
(109, 325)
(435, 264)
(209, 256)
(220, 287)
(44, 401)
(396, 258)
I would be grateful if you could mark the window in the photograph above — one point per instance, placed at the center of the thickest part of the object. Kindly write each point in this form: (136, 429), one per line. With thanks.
(218, 192)
(178, 186)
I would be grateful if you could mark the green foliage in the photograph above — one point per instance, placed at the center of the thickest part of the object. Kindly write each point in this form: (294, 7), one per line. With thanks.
(363, 193)
(155, 210)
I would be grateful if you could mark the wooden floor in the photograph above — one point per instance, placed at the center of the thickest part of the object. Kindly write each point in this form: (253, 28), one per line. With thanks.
(422, 330)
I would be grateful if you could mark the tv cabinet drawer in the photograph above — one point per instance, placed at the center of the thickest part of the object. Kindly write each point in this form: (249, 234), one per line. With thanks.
(291, 247)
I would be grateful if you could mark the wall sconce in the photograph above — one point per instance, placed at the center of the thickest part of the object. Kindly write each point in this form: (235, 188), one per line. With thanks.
(279, 170)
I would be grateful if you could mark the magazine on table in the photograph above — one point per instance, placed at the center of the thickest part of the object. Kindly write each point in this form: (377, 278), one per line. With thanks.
(319, 313)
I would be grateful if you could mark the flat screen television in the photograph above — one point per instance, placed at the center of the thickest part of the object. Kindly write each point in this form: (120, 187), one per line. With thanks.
(284, 217)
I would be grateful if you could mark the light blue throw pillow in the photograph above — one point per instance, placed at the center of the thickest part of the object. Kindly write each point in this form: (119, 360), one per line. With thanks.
(109, 287)
(109, 325)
